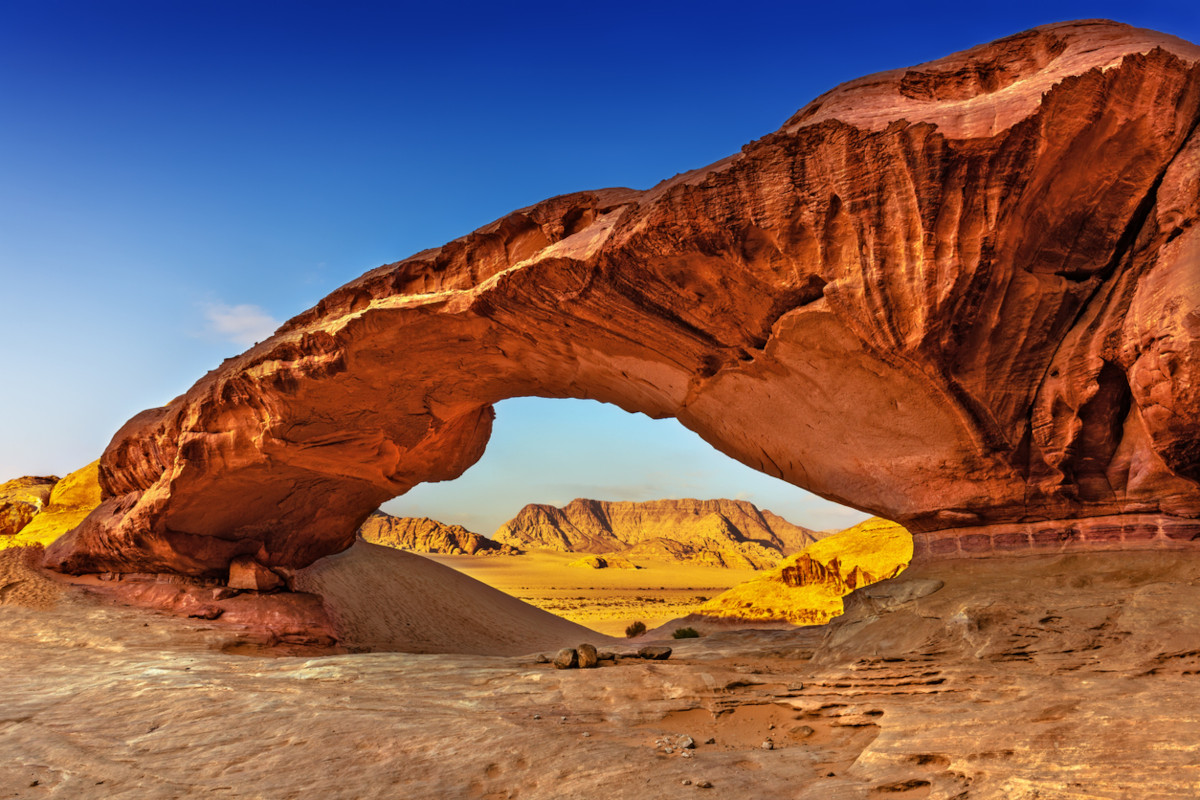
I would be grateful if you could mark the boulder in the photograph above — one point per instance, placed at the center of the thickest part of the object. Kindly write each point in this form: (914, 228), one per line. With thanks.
(567, 658)
(654, 653)
(588, 657)
(246, 573)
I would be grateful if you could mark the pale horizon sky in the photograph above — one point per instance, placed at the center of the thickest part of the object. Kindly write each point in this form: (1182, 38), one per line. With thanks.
(176, 179)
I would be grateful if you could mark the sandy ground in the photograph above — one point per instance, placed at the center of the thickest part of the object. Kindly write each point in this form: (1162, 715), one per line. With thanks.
(605, 600)
(1038, 677)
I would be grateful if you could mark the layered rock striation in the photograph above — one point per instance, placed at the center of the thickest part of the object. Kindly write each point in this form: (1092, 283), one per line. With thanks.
(719, 533)
(425, 535)
(959, 295)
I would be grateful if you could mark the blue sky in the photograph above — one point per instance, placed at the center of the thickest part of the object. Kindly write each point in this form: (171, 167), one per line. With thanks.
(176, 178)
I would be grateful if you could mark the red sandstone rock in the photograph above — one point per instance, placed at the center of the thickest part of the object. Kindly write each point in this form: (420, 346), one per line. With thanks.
(958, 295)
(246, 573)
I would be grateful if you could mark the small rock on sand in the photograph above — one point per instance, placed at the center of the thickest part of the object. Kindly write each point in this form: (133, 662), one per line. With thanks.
(567, 658)
(655, 653)
(587, 656)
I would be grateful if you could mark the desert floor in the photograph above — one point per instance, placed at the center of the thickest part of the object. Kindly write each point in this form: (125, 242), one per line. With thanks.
(1040, 677)
(605, 600)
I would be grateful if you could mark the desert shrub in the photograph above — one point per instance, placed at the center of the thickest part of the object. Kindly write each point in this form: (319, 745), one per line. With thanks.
(636, 629)
(686, 633)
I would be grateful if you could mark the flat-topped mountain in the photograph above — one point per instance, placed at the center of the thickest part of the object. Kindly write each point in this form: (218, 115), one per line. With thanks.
(425, 535)
(726, 533)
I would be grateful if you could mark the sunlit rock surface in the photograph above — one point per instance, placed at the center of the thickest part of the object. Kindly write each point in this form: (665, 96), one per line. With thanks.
(22, 499)
(425, 535)
(807, 588)
(960, 295)
(70, 501)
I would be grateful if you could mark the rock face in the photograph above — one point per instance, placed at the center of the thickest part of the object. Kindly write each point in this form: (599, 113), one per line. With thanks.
(21, 499)
(424, 535)
(723, 533)
(807, 589)
(959, 295)
(71, 500)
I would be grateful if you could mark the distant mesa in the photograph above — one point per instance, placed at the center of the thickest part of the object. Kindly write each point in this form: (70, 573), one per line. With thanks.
(425, 535)
(719, 533)
(807, 588)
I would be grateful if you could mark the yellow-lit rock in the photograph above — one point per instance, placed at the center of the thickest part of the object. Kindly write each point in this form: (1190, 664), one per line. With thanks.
(807, 588)
(20, 501)
(71, 499)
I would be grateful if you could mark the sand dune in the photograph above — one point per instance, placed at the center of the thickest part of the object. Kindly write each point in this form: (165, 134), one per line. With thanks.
(384, 599)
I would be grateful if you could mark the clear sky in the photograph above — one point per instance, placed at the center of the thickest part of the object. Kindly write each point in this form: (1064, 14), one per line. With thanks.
(178, 177)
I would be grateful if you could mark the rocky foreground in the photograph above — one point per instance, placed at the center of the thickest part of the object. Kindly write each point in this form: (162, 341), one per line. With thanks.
(1038, 677)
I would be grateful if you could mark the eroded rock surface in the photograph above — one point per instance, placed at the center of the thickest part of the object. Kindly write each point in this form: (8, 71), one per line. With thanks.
(22, 499)
(958, 295)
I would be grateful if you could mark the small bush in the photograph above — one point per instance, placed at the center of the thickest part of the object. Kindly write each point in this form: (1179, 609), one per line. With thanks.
(686, 633)
(636, 629)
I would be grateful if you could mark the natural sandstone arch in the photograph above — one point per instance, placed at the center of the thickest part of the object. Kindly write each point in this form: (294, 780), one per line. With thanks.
(962, 296)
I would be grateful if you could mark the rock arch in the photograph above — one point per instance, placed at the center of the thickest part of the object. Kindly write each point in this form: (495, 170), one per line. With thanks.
(964, 296)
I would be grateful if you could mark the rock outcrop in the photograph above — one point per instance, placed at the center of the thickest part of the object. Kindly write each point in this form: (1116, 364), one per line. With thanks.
(425, 535)
(960, 295)
(22, 499)
(722, 533)
(807, 589)
(70, 501)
